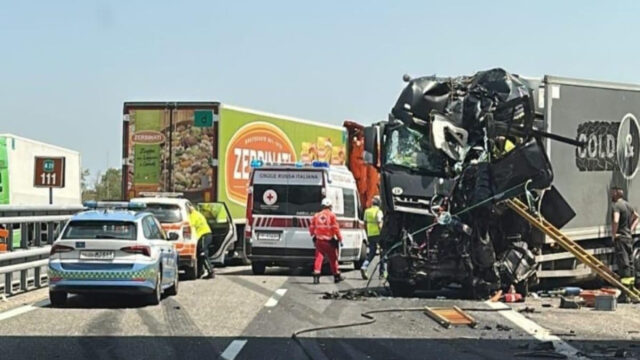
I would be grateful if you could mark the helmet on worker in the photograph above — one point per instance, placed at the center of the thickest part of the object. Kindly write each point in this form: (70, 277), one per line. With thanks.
(326, 203)
(376, 201)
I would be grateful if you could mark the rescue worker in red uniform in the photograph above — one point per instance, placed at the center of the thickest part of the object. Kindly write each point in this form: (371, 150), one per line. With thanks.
(326, 236)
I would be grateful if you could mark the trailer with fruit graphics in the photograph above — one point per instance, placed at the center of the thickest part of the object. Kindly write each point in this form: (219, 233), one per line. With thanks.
(204, 149)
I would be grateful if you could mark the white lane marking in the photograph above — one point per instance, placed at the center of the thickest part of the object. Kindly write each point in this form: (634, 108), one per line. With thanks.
(233, 349)
(273, 300)
(535, 330)
(23, 310)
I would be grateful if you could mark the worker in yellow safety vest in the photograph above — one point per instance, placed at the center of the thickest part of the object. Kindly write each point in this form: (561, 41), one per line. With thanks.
(373, 220)
(205, 238)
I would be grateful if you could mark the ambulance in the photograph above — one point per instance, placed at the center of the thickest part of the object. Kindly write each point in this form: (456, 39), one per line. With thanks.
(282, 199)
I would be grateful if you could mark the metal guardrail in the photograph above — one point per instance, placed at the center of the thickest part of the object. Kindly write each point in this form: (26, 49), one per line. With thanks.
(31, 231)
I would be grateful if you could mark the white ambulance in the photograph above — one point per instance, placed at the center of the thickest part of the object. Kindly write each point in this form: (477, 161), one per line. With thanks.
(282, 200)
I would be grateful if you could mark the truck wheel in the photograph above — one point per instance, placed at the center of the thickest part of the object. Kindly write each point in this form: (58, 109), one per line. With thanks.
(363, 256)
(401, 289)
(258, 268)
(57, 298)
(192, 272)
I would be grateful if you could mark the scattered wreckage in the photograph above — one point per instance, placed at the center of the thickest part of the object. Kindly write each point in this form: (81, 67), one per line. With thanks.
(451, 151)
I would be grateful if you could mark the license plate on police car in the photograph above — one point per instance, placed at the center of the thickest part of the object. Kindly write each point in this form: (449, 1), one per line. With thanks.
(269, 236)
(97, 255)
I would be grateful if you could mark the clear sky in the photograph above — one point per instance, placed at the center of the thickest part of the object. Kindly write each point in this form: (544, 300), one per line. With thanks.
(66, 67)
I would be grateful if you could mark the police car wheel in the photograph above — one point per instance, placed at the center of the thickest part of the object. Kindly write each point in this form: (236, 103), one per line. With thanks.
(173, 290)
(57, 298)
(154, 298)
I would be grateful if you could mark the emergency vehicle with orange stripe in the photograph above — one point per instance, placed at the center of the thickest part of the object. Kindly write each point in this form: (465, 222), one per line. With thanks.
(282, 200)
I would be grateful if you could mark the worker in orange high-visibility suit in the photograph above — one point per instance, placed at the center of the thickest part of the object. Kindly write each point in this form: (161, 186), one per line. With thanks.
(326, 236)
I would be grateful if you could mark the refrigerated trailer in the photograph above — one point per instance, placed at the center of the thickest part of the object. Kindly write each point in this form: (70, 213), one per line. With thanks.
(204, 149)
(24, 182)
(604, 116)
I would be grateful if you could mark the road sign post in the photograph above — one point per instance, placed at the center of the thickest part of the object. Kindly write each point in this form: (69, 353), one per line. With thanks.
(49, 172)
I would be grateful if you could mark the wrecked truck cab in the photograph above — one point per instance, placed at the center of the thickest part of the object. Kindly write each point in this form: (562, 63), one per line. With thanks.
(452, 149)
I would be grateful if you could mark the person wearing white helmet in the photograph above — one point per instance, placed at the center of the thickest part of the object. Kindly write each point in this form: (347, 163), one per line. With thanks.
(326, 236)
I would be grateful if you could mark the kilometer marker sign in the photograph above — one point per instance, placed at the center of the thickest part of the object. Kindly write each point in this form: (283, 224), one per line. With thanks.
(49, 172)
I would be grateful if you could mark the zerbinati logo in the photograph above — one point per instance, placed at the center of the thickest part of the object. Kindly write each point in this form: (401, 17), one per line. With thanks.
(148, 137)
(254, 141)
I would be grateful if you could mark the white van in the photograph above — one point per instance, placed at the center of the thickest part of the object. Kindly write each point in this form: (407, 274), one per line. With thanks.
(282, 200)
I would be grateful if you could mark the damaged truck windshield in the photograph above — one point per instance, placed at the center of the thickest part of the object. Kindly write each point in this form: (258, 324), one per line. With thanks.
(406, 148)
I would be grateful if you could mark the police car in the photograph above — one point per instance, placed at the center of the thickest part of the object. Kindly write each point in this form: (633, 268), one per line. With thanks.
(113, 248)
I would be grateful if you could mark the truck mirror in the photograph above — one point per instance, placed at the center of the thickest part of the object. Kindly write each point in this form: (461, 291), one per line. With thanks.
(371, 145)
(173, 236)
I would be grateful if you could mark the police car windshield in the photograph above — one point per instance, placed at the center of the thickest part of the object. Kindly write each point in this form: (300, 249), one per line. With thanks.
(165, 213)
(295, 200)
(86, 230)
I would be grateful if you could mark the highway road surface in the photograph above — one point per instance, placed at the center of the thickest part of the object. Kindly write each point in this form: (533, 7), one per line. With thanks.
(241, 316)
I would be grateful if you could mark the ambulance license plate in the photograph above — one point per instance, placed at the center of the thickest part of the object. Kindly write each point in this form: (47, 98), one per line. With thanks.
(269, 236)
(97, 255)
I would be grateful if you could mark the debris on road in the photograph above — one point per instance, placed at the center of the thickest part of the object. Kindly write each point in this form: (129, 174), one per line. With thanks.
(501, 327)
(528, 310)
(570, 303)
(354, 294)
(450, 316)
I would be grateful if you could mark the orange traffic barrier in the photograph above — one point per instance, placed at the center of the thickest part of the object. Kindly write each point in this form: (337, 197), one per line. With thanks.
(4, 234)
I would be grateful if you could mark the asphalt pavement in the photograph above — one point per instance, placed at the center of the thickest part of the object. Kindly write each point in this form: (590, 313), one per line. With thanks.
(241, 316)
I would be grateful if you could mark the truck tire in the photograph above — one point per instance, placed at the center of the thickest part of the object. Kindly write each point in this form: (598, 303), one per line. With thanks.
(363, 256)
(57, 298)
(258, 268)
(401, 289)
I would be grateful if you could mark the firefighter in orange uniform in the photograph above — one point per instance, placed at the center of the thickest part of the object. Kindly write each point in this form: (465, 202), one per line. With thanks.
(326, 236)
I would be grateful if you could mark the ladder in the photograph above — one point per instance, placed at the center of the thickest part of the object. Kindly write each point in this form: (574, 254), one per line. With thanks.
(571, 246)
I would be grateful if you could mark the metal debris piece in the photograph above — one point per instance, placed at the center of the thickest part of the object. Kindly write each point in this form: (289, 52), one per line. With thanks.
(501, 327)
(450, 316)
(566, 303)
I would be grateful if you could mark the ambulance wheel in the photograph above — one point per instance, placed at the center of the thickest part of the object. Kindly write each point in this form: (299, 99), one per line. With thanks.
(258, 268)
(363, 256)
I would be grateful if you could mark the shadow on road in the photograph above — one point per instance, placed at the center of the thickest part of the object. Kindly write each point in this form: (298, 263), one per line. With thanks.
(105, 301)
(198, 347)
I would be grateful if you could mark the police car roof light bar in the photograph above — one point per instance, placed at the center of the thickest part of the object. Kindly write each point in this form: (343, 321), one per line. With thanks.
(112, 205)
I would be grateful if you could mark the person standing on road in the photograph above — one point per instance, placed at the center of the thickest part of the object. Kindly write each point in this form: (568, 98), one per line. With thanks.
(326, 236)
(373, 220)
(205, 237)
(623, 225)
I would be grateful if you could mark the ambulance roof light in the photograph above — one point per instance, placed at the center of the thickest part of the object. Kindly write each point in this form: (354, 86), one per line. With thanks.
(256, 163)
(320, 164)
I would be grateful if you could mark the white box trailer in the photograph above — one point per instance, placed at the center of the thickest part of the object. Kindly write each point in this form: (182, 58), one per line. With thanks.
(605, 116)
(18, 172)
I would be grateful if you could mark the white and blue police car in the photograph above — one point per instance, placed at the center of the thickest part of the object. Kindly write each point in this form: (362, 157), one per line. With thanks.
(113, 247)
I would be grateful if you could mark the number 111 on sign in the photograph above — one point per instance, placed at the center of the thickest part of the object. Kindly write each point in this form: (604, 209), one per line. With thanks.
(48, 178)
